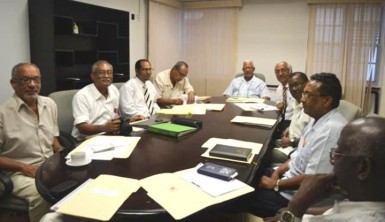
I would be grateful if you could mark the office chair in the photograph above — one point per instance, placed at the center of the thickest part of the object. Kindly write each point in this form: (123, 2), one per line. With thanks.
(258, 75)
(349, 111)
(63, 100)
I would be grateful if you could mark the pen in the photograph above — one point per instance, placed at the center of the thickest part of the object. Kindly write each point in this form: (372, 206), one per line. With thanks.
(103, 149)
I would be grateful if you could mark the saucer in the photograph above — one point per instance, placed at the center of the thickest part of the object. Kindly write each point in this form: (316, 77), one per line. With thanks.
(69, 163)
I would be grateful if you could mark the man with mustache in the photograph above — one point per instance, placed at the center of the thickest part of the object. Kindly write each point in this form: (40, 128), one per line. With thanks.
(95, 107)
(359, 167)
(28, 135)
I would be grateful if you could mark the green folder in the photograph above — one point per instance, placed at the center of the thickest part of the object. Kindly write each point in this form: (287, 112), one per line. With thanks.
(170, 129)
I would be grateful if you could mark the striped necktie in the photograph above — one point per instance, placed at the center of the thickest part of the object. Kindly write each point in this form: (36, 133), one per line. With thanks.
(148, 99)
(284, 97)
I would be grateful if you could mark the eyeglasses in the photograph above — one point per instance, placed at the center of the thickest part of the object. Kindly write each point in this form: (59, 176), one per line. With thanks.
(334, 154)
(281, 70)
(147, 69)
(103, 72)
(25, 81)
(308, 95)
(181, 74)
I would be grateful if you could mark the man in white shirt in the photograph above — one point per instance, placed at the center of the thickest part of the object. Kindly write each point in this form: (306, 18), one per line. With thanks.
(284, 98)
(95, 107)
(359, 169)
(248, 85)
(133, 104)
(320, 99)
(172, 83)
(291, 135)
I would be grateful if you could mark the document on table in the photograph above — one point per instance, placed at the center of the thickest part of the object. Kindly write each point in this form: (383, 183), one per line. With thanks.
(256, 107)
(183, 110)
(209, 144)
(182, 198)
(244, 100)
(248, 120)
(99, 198)
(113, 146)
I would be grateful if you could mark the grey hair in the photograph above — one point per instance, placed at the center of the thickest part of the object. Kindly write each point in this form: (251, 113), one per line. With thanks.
(100, 62)
(15, 73)
(248, 61)
(179, 64)
(286, 64)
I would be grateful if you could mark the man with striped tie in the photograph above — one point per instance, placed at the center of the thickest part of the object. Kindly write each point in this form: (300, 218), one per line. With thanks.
(138, 95)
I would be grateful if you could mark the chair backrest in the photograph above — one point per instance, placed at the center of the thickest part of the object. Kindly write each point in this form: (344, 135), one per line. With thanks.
(118, 84)
(349, 110)
(63, 100)
(258, 75)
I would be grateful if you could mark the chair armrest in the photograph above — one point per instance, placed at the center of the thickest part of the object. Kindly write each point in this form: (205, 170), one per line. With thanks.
(7, 182)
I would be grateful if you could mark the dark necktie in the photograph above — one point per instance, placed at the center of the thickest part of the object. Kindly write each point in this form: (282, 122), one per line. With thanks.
(148, 100)
(284, 97)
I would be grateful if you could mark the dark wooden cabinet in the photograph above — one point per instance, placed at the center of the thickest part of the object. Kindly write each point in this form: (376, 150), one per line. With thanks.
(65, 57)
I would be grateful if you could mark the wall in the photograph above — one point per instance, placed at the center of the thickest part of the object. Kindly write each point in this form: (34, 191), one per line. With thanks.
(14, 42)
(272, 31)
(14, 29)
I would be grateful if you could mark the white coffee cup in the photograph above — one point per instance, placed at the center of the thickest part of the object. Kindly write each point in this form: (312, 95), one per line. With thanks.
(78, 157)
(184, 98)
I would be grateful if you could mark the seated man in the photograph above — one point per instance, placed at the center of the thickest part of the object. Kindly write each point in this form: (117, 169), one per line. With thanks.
(320, 99)
(291, 135)
(172, 83)
(248, 85)
(138, 95)
(358, 174)
(284, 98)
(28, 135)
(95, 107)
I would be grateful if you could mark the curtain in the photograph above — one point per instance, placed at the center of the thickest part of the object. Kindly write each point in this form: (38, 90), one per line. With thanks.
(164, 36)
(209, 43)
(342, 40)
(205, 38)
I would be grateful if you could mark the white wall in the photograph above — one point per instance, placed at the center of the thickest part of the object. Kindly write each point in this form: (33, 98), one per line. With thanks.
(271, 31)
(14, 41)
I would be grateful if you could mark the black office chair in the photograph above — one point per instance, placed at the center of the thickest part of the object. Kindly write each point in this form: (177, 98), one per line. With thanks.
(12, 205)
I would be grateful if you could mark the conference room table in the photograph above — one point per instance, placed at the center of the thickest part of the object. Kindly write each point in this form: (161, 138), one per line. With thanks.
(156, 154)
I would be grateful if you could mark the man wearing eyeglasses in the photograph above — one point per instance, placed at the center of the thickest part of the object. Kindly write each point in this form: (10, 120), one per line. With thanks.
(28, 135)
(358, 174)
(95, 106)
(171, 84)
(138, 95)
(248, 85)
(320, 99)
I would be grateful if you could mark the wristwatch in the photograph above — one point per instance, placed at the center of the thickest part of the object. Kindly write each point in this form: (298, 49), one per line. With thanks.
(276, 187)
(292, 142)
(288, 216)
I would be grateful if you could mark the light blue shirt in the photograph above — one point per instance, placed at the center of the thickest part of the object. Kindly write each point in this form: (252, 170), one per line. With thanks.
(312, 155)
(255, 88)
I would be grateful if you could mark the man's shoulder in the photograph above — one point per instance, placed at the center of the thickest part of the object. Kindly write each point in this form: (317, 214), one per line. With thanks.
(47, 100)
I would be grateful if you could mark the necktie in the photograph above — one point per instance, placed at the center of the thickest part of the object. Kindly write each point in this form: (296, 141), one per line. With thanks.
(284, 97)
(148, 100)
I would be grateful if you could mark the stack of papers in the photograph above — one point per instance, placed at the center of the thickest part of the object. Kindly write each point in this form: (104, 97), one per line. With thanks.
(269, 123)
(209, 144)
(192, 109)
(107, 147)
(256, 107)
(244, 100)
(97, 199)
(177, 193)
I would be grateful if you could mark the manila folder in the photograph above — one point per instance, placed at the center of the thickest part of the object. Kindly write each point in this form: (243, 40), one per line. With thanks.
(100, 198)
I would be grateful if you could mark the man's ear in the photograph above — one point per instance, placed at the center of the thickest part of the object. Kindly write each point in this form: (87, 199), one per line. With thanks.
(364, 168)
(327, 100)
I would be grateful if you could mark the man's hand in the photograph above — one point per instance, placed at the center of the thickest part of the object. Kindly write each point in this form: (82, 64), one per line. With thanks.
(313, 188)
(267, 183)
(137, 118)
(177, 101)
(285, 142)
(112, 125)
(191, 98)
(29, 170)
(280, 105)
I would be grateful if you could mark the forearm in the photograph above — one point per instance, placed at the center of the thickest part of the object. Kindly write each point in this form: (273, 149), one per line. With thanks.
(91, 129)
(11, 165)
(165, 101)
(56, 146)
(291, 183)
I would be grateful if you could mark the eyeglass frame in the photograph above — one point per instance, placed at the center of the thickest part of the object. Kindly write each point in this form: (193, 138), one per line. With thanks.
(104, 72)
(26, 81)
(333, 154)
